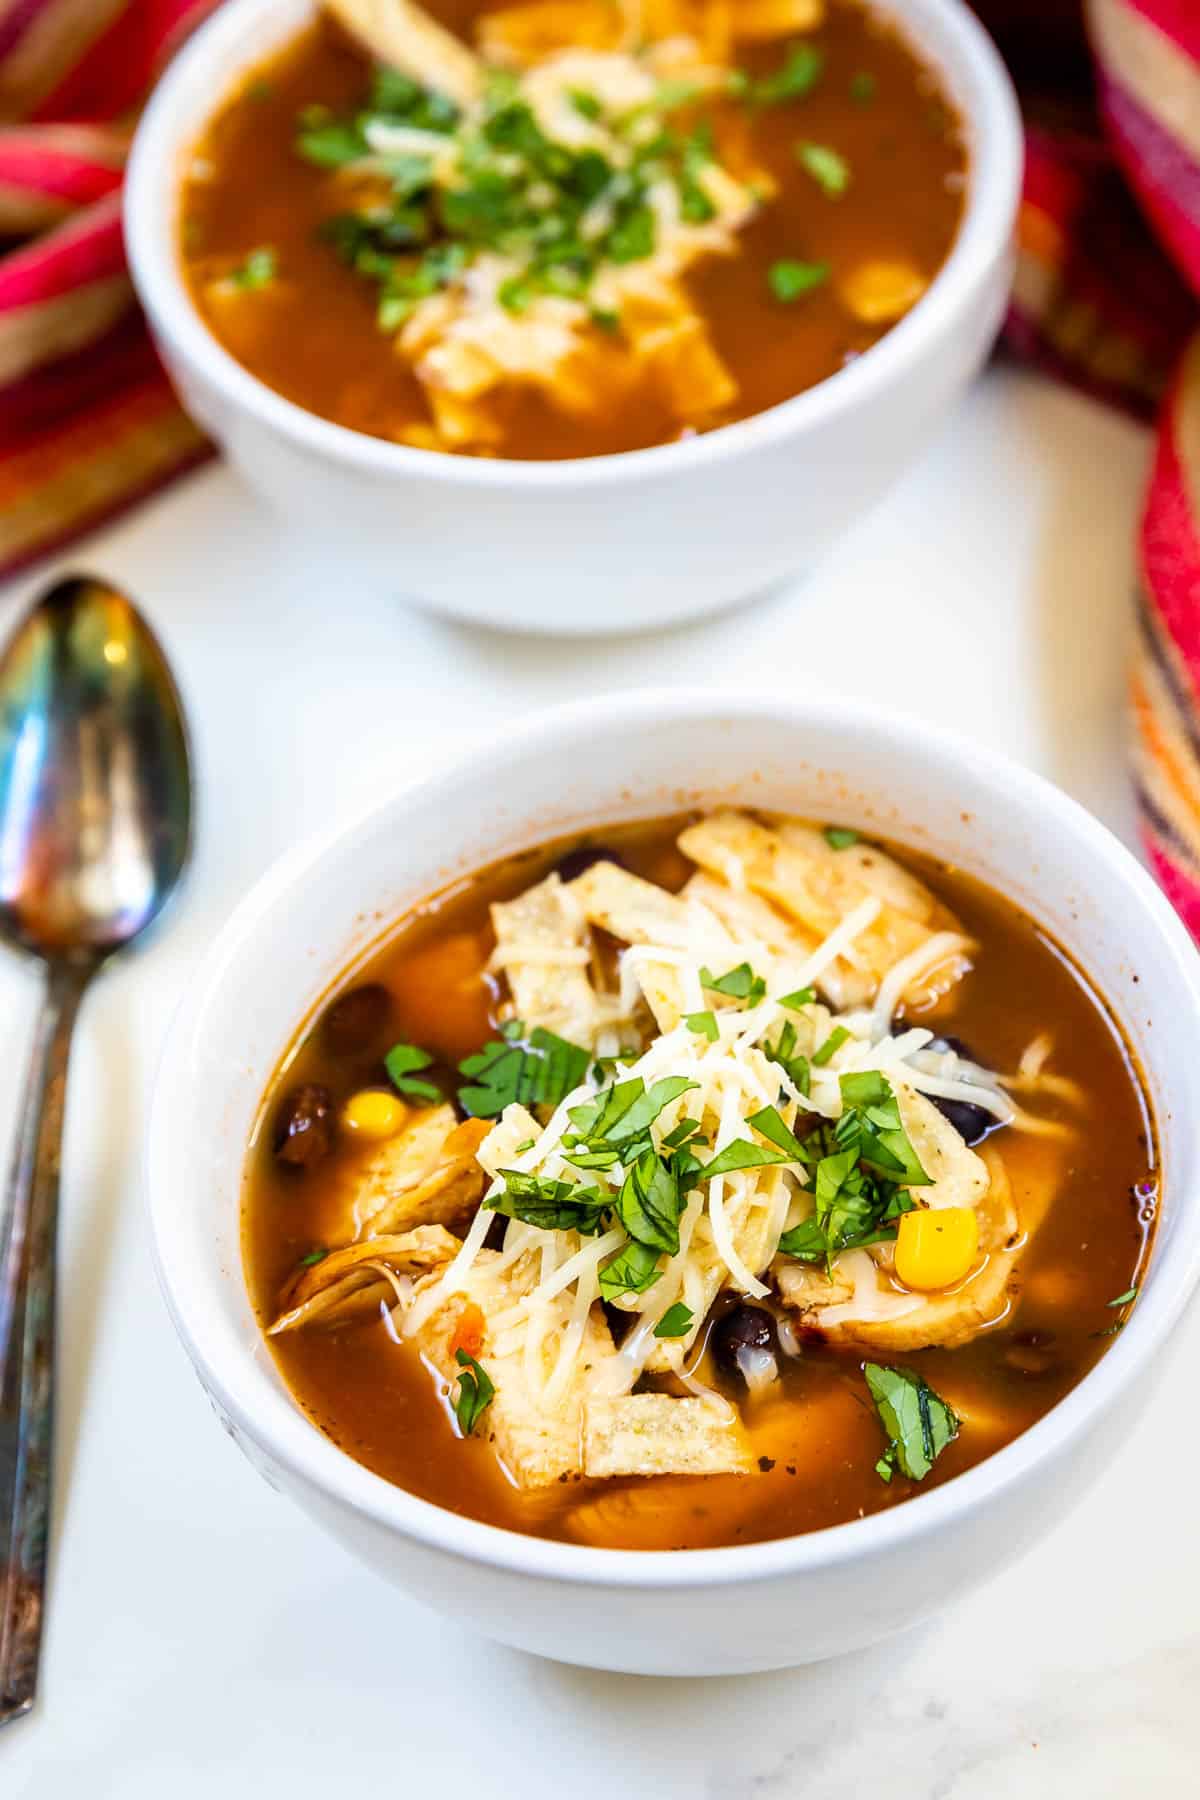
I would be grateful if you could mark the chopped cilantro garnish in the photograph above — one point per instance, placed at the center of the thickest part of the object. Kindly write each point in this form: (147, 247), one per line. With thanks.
(797, 76)
(475, 1392)
(862, 87)
(550, 1205)
(650, 1203)
(859, 1164)
(1125, 1298)
(840, 837)
(790, 280)
(704, 1024)
(741, 1154)
(402, 1063)
(258, 270)
(536, 1071)
(631, 1271)
(313, 1258)
(633, 236)
(918, 1423)
(837, 1037)
(828, 169)
(783, 1051)
(331, 144)
(799, 998)
(676, 1322)
(738, 984)
(768, 1121)
(585, 104)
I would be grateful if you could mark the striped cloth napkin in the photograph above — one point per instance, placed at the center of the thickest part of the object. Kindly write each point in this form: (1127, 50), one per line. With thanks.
(1106, 296)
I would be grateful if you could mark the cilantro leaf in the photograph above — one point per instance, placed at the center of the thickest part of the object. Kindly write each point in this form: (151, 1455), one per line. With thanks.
(401, 1062)
(839, 837)
(646, 1108)
(837, 1037)
(790, 280)
(738, 984)
(257, 271)
(862, 87)
(797, 76)
(807, 1241)
(918, 1423)
(741, 1154)
(331, 145)
(313, 1258)
(475, 1392)
(632, 1270)
(798, 999)
(783, 1051)
(550, 1205)
(649, 1204)
(536, 1071)
(676, 1322)
(704, 1024)
(831, 172)
(768, 1122)
(1125, 1298)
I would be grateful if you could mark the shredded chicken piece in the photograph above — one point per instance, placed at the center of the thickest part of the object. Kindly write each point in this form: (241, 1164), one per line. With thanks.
(347, 1283)
(428, 1175)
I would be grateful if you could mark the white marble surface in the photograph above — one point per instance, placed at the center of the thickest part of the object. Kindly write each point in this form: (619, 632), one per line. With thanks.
(204, 1639)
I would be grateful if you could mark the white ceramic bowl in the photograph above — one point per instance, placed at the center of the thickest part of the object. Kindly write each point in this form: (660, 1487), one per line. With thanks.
(603, 543)
(688, 1612)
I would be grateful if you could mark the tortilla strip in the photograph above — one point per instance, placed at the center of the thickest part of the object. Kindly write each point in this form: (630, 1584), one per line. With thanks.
(637, 912)
(555, 994)
(656, 1434)
(798, 871)
(403, 36)
(537, 1445)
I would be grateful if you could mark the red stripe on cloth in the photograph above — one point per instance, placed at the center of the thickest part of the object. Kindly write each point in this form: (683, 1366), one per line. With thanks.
(1162, 173)
(1176, 883)
(1170, 545)
(1176, 19)
(113, 74)
(41, 401)
(83, 249)
(27, 162)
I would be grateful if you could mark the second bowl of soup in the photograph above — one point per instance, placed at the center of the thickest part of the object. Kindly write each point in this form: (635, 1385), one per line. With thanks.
(699, 1213)
(507, 270)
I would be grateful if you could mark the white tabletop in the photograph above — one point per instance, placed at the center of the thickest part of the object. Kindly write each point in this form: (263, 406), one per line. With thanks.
(204, 1638)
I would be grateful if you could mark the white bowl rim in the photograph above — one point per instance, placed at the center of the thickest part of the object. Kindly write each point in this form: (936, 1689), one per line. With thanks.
(276, 1422)
(997, 160)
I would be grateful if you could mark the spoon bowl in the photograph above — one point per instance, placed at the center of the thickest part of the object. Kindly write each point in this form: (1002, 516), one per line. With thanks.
(95, 789)
(95, 826)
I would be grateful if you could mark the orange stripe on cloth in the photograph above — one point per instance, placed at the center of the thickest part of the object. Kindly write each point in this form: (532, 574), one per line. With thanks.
(1158, 72)
(74, 478)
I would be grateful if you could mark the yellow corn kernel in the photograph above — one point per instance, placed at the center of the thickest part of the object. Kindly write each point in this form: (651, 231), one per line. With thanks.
(373, 1114)
(936, 1246)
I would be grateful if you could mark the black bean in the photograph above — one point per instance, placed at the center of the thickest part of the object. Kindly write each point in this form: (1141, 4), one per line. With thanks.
(304, 1126)
(742, 1328)
(971, 1122)
(578, 862)
(357, 1019)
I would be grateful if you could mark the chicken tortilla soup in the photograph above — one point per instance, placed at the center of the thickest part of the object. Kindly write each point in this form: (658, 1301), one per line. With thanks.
(565, 228)
(698, 1183)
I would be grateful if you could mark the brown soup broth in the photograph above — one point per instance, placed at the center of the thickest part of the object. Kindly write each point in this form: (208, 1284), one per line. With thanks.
(311, 335)
(373, 1397)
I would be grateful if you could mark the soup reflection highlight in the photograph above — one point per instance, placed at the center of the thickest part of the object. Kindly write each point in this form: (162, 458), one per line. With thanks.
(607, 224)
(700, 1183)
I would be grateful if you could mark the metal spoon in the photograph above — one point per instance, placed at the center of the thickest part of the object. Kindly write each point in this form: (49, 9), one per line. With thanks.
(95, 822)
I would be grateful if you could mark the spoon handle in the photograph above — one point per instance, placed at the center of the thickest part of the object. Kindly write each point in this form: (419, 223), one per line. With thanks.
(28, 1233)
